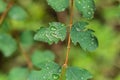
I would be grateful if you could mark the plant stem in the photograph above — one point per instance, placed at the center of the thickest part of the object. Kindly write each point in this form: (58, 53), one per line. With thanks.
(10, 4)
(70, 26)
(69, 42)
(26, 56)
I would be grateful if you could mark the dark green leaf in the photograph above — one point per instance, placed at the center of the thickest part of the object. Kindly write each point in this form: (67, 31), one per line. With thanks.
(18, 74)
(74, 73)
(40, 56)
(7, 44)
(3, 6)
(58, 5)
(83, 36)
(55, 32)
(17, 13)
(49, 71)
(86, 7)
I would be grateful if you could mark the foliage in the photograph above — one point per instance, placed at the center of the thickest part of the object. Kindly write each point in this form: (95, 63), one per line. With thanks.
(84, 37)
(56, 4)
(54, 33)
(3, 6)
(18, 74)
(17, 13)
(7, 44)
(18, 35)
(39, 56)
(86, 7)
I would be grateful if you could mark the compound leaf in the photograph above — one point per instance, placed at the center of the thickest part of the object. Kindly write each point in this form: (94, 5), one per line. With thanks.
(58, 5)
(18, 74)
(55, 32)
(74, 73)
(49, 71)
(86, 7)
(7, 44)
(83, 36)
(17, 13)
(40, 56)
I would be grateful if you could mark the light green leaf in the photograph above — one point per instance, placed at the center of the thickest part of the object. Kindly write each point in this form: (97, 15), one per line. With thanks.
(74, 73)
(3, 76)
(49, 71)
(86, 7)
(18, 74)
(58, 5)
(55, 32)
(3, 6)
(7, 44)
(40, 56)
(17, 13)
(83, 36)
(26, 39)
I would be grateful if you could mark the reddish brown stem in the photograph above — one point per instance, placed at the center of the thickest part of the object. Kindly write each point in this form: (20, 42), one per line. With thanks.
(10, 4)
(70, 26)
(27, 57)
(62, 77)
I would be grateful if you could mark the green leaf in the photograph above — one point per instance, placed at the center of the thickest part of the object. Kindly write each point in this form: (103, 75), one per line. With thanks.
(58, 5)
(83, 36)
(55, 32)
(17, 13)
(18, 74)
(3, 6)
(40, 56)
(7, 44)
(3, 76)
(74, 73)
(49, 71)
(5, 27)
(86, 7)
(26, 39)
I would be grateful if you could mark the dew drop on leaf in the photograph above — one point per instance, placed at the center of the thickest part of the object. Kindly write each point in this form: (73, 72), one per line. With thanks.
(55, 76)
(53, 28)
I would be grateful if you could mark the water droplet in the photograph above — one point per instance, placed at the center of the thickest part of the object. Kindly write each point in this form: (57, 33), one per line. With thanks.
(55, 76)
(59, 70)
(84, 7)
(89, 12)
(92, 42)
(44, 77)
(78, 29)
(47, 67)
(53, 28)
(82, 78)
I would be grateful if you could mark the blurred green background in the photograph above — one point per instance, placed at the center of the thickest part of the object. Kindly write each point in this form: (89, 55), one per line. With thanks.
(103, 63)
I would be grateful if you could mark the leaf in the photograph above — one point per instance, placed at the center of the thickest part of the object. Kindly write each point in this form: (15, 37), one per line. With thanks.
(58, 5)
(18, 74)
(40, 56)
(86, 7)
(74, 73)
(17, 13)
(83, 36)
(5, 27)
(7, 44)
(3, 76)
(3, 6)
(26, 39)
(49, 71)
(55, 32)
